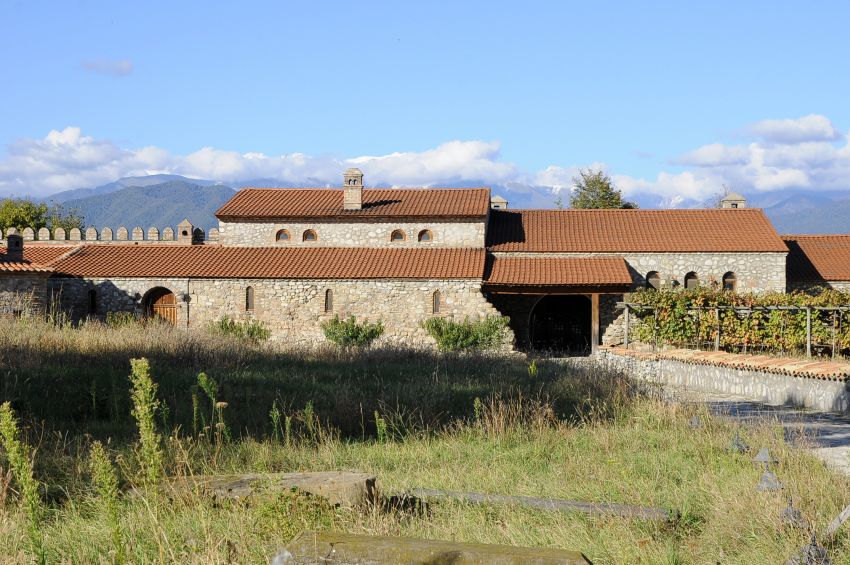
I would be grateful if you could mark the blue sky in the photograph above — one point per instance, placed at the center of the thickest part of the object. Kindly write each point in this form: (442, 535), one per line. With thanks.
(671, 98)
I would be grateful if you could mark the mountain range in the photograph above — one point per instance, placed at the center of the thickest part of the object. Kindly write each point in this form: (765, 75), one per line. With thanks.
(165, 200)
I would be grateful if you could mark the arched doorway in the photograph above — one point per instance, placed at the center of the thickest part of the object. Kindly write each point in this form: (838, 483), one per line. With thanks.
(160, 303)
(561, 324)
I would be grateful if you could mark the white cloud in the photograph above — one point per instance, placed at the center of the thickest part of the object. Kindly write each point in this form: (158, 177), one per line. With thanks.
(66, 159)
(813, 127)
(111, 67)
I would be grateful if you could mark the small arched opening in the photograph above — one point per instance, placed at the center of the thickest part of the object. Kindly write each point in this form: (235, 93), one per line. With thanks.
(309, 235)
(160, 304)
(425, 236)
(691, 281)
(397, 236)
(282, 236)
(653, 280)
(561, 324)
(329, 300)
(436, 302)
(249, 299)
(92, 302)
(730, 281)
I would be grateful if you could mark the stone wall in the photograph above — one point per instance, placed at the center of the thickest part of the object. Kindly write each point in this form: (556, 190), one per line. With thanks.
(763, 386)
(22, 293)
(755, 272)
(292, 309)
(358, 234)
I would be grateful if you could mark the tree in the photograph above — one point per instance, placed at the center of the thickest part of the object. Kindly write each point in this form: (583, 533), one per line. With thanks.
(21, 213)
(594, 189)
(716, 199)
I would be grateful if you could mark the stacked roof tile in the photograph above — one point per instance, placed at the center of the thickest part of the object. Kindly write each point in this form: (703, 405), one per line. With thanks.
(554, 271)
(633, 231)
(817, 258)
(319, 203)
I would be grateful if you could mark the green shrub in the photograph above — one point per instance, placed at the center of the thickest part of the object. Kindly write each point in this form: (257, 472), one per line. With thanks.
(249, 330)
(350, 333)
(683, 317)
(120, 319)
(106, 487)
(466, 335)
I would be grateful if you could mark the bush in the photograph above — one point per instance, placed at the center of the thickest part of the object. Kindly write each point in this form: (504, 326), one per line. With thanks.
(675, 319)
(250, 330)
(120, 319)
(466, 335)
(350, 333)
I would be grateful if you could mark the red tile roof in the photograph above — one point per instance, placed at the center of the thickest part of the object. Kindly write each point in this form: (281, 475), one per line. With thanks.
(553, 271)
(304, 203)
(818, 258)
(633, 231)
(206, 261)
(36, 259)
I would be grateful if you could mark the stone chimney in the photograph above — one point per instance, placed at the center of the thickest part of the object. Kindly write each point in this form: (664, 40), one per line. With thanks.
(498, 203)
(733, 200)
(185, 232)
(14, 247)
(352, 189)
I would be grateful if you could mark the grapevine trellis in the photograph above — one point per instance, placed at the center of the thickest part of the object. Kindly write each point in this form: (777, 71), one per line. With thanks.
(777, 329)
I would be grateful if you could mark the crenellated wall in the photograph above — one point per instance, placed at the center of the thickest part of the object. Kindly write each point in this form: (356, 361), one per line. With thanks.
(121, 234)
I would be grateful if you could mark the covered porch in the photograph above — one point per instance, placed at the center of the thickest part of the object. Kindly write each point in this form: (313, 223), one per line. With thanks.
(556, 305)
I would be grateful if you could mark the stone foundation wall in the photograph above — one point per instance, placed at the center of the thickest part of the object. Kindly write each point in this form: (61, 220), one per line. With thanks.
(292, 309)
(771, 388)
(354, 234)
(22, 294)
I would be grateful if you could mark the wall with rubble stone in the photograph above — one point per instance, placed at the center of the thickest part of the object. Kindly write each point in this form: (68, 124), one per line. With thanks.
(768, 387)
(358, 234)
(292, 309)
(22, 294)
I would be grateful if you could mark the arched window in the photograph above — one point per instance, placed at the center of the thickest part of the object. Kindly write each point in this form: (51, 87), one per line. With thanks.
(653, 280)
(425, 235)
(397, 236)
(282, 235)
(436, 302)
(309, 235)
(92, 301)
(249, 299)
(730, 281)
(691, 280)
(329, 300)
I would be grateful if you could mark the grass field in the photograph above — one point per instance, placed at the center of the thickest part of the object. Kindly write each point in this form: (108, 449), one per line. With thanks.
(474, 423)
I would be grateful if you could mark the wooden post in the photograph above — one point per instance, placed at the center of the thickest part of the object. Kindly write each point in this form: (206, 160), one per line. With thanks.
(808, 332)
(717, 334)
(626, 329)
(594, 322)
(833, 334)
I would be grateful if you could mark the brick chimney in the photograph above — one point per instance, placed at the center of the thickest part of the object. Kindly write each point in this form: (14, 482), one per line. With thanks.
(14, 247)
(352, 189)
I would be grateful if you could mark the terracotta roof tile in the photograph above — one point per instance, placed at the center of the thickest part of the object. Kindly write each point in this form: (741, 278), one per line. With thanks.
(290, 203)
(37, 258)
(23, 267)
(206, 261)
(572, 271)
(818, 258)
(632, 231)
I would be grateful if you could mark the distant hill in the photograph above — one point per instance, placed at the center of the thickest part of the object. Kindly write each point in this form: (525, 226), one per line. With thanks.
(126, 182)
(160, 205)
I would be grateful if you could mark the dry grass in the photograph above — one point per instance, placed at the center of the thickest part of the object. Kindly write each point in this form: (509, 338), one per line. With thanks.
(564, 433)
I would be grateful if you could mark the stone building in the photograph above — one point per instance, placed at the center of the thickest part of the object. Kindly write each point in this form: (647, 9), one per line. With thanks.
(293, 258)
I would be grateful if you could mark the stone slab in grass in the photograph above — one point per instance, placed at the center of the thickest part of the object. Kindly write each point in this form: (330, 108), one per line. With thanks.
(313, 548)
(337, 487)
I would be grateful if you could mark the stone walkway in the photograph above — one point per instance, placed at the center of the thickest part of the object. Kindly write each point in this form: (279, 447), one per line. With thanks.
(827, 435)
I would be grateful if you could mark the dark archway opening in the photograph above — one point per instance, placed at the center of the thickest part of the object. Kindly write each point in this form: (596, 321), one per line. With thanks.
(561, 325)
(160, 303)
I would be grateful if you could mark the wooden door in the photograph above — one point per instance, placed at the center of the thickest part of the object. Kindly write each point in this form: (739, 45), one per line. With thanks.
(164, 306)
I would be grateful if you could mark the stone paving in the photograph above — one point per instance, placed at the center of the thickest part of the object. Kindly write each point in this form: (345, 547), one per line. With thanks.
(826, 434)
